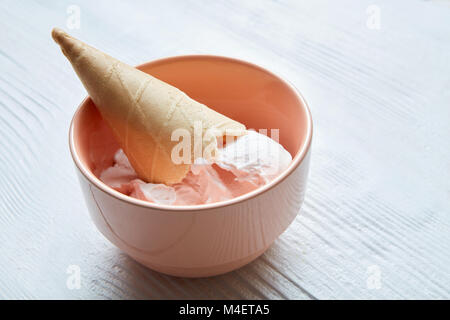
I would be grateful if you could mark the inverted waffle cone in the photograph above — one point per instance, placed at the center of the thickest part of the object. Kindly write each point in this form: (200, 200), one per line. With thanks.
(143, 111)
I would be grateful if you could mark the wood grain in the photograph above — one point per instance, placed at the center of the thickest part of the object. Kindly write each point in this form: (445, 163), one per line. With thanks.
(379, 187)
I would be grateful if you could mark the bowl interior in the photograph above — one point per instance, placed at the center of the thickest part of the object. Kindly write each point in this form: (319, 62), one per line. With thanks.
(239, 90)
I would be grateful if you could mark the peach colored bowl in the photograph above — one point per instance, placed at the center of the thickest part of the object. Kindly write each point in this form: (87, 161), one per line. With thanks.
(210, 239)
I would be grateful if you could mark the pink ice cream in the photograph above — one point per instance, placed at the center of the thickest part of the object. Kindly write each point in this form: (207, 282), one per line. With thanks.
(244, 165)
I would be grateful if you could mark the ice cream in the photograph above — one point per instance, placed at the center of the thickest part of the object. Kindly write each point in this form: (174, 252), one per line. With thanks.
(249, 162)
(171, 146)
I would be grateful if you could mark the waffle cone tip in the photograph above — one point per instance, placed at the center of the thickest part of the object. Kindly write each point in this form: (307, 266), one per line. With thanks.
(58, 34)
(70, 46)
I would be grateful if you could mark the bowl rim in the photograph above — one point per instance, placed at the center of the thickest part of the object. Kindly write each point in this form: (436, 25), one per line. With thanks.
(296, 161)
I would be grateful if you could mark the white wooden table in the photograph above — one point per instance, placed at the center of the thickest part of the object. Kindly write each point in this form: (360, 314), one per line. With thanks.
(376, 219)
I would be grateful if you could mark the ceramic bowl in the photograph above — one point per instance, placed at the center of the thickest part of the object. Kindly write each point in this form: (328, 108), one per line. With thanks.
(210, 239)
